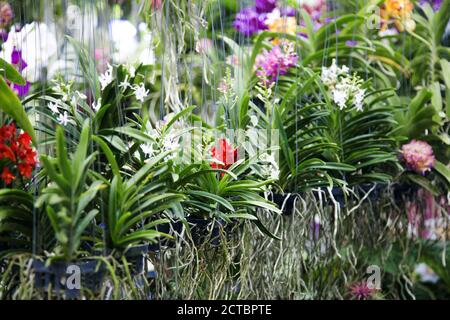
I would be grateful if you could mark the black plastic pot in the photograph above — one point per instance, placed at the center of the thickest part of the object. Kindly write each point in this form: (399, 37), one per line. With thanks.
(287, 200)
(202, 231)
(339, 197)
(361, 191)
(136, 257)
(55, 275)
(3, 247)
(171, 228)
(404, 192)
(2, 266)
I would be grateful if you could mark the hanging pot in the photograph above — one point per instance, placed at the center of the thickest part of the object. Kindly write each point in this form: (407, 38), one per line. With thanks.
(285, 202)
(61, 276)
(404, 191)
(172, 228)
(135, 256)
(375, 194)
(203, 230)
(339, 197)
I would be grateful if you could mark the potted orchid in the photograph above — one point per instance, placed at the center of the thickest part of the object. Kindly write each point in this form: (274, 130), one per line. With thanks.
(68, 203)
(209, 175)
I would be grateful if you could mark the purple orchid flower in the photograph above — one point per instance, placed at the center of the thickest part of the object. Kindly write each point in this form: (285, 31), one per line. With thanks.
(22, 91)
(248, 21)
(264, 6)
(435, 4)
(19, 63)
(351, 43)
(17, 60)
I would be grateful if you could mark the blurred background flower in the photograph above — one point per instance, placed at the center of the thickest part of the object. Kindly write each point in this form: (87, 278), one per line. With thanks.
(6, 15)
(276, 22)
(428, 216)
(271, 64)
(400, 13)
(204, 45)
(361, 291)
(315, 8)
(265, 5)
(248, 21)
(425, 273)
(123, 35)
(37, 43)
(435, 4)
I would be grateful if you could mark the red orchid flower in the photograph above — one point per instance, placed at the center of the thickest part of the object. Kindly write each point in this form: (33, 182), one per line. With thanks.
(7, 176)
(225, 153)
(25, 170)
(7, 133)
(7, 153)
(17, 149)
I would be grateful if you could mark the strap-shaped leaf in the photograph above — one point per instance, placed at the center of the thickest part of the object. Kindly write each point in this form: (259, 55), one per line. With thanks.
(108, 153)
(11, 105)
(82, 226)
(54, 175)
(10, 73)
(443, 170)
(213, 197)
(61, 152)
(260, 204)
(8, 196)
(10, 212)
(144, 235)
(80, 154)
(87, 196)
(144, 171)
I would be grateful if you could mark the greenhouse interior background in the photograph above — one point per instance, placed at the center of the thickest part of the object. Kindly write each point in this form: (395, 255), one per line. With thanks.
(224, 150)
